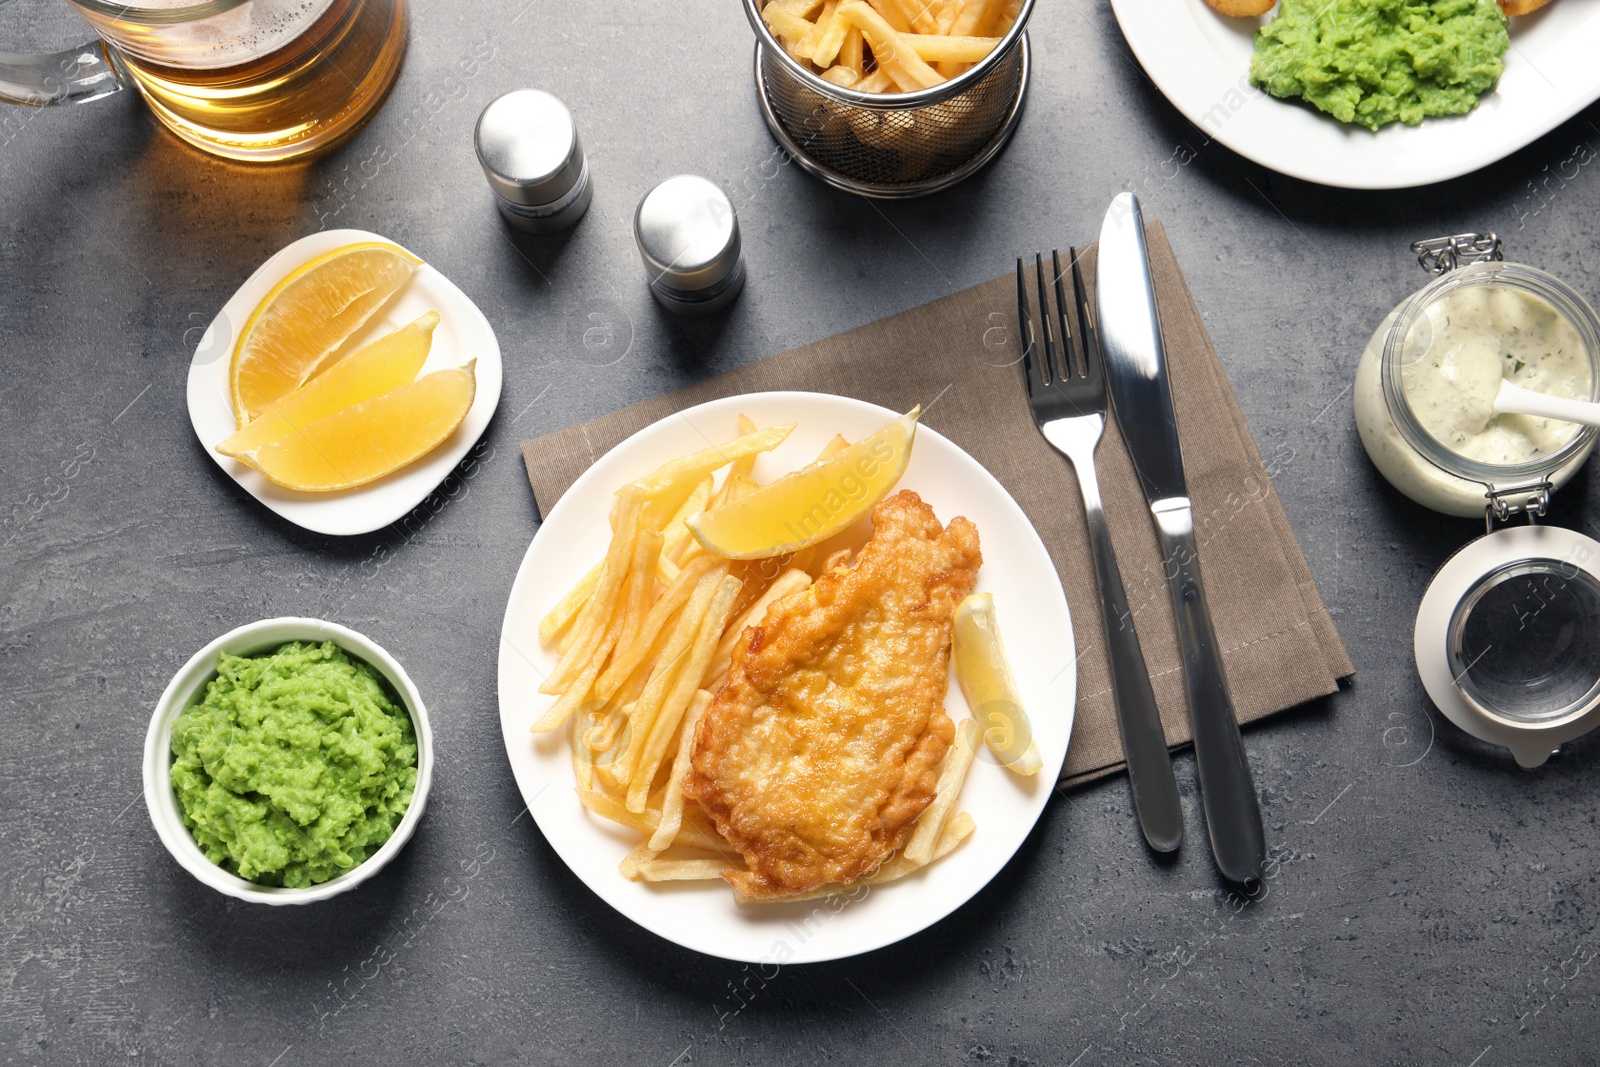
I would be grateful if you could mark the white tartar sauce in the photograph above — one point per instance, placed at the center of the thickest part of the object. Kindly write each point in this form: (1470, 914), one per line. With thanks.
(1453, 358)
(1460, 348)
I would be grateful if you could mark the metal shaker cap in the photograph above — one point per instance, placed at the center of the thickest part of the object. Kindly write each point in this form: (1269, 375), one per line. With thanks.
(528, 146)
(688, 234)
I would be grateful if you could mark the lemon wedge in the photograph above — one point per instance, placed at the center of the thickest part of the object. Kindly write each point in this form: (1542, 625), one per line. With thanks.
(381, 367)
(294, 331)
(991, 692)
(368, 440)
(812, 503)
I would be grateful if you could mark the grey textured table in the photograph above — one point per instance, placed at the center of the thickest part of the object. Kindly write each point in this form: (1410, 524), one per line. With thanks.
(1428, 903)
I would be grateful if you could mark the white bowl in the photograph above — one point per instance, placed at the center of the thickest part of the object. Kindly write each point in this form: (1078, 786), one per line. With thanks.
(184, 689)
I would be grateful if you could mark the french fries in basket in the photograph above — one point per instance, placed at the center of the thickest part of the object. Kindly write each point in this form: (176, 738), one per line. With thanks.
(647, 635)
(880, 46)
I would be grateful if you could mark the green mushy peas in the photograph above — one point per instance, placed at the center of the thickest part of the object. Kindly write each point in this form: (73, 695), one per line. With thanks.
(1373, 62)
(296, 765)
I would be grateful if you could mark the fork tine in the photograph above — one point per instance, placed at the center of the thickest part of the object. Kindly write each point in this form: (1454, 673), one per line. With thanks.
(1030, 352)
(1093, 358)
(1051, 367)
(1068, 359)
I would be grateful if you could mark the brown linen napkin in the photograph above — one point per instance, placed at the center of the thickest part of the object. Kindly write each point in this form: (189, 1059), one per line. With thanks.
(958, 358)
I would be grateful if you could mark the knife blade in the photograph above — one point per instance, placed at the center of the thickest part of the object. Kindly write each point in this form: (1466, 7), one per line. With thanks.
(1136, 372)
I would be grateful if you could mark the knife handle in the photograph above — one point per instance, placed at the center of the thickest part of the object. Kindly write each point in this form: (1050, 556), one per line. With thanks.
(1155, 790)
(1227, 790)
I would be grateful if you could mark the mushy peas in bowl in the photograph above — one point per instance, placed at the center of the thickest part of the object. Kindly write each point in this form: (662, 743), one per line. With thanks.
(286, 759)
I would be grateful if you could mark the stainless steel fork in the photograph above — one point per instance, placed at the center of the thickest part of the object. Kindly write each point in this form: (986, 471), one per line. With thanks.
(1068, 399)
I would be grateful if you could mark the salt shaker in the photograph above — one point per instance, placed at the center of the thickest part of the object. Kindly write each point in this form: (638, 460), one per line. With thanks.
(688, 236)
(528, 146)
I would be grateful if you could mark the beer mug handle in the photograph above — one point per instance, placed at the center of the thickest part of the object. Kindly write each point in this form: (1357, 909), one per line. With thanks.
(87, 72)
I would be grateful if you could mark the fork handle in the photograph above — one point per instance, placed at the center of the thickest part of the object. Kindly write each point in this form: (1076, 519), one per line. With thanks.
(1155, 791)
(1227, 790)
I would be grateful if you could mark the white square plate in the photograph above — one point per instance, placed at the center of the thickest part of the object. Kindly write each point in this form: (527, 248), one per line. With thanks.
(1200, 61)
(463, 334)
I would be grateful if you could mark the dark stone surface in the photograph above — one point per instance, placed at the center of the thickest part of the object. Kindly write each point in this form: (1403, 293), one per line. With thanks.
(1430, 903)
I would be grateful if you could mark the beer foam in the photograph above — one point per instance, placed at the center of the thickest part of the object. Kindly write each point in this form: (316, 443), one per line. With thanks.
(237, 36)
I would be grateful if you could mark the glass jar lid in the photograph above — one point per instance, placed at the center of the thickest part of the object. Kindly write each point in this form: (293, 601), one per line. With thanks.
(1453, 341)
(1507, 639)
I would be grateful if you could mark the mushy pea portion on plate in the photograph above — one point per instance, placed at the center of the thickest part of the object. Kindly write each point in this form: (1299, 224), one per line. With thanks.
(1373, 62)
(295, 766)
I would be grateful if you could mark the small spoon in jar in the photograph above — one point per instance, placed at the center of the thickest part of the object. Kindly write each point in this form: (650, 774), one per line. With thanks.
(1479, 375)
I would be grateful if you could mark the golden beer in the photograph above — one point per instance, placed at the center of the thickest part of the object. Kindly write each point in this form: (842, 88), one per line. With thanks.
(259, 80)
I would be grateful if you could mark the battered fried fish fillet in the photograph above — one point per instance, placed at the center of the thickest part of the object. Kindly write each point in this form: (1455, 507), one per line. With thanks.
(824, 745)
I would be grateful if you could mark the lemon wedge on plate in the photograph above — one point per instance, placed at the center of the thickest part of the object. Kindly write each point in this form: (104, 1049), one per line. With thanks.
(368, 440)
(381, 367)
(812, 503)
(298, 326)
(991, 692)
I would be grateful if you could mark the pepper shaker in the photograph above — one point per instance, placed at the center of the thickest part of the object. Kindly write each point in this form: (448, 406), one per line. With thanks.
(528, 146)
(688, 236)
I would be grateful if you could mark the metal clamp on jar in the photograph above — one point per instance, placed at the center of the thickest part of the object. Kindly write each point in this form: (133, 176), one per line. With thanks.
(1507, 638)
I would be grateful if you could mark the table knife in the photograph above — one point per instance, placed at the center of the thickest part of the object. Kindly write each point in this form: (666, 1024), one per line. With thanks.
(1136, 371)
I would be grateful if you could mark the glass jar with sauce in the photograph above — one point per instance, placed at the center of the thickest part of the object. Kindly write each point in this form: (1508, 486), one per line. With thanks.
(1420, 407)
(1507, 638)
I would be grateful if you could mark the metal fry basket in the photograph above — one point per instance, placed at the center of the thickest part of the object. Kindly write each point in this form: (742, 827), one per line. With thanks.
(893, 145)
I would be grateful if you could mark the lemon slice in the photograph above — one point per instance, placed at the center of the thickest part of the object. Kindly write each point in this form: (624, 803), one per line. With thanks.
(991, 692)
(371, 439)
(305, 318)
(381, 367)
(812, 503)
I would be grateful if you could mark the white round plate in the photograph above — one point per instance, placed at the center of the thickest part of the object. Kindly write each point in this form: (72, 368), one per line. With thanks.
(1200, 61)
(702, 915)
(462, 334)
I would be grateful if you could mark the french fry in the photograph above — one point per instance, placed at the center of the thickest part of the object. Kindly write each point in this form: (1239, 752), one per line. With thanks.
(677, 534)
(930, 824)
(852, 52)
(597, 608)
(655, 870)
(790, 581)
(685, 682)
(558, 618)
(672, 804)
(876, 82)
(937, 48)
(664, 672)
(639, 587)
(672, 483)
(890, 48)
(582, 765)
(919, 15)
(785, 23)
(843, 77)
(690, 834)
(889, 11)
(638, 855)
(829, 36)
(974, 15)
(676, 595)
(957, 830)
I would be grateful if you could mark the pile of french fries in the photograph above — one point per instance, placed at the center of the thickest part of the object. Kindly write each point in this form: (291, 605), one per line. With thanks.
(645, 639)
(889, 46)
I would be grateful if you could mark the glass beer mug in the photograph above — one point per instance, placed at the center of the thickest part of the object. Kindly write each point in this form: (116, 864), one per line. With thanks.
(255, 80)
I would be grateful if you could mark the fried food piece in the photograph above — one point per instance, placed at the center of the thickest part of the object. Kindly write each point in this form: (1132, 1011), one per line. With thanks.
(824, 746)
(1521, 7)
(1240, 9)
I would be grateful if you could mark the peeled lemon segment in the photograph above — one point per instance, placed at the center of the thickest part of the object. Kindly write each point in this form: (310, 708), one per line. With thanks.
(381, 367)
(985, 678)
(298, 326)
(371, 439)
(813, 503)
